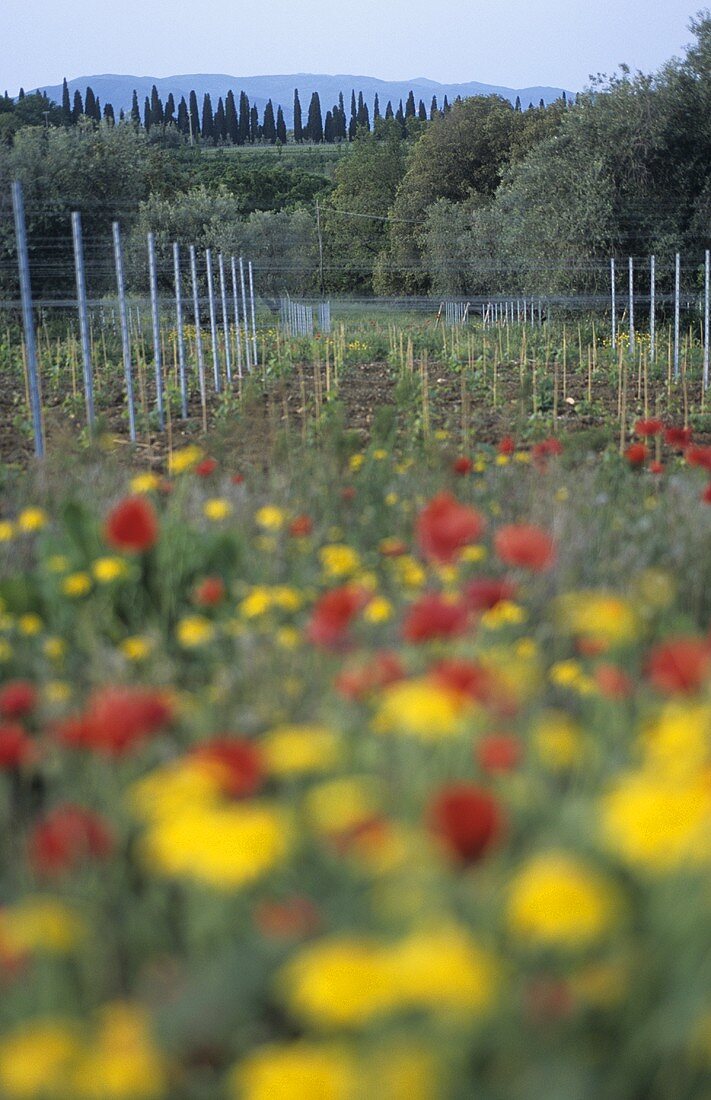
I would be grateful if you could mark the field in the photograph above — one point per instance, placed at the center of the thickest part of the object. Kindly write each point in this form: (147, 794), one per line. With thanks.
(355, 731)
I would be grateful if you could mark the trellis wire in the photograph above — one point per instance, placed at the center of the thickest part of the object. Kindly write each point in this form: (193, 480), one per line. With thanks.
(125, 335)
(27, 317)
(83, 317)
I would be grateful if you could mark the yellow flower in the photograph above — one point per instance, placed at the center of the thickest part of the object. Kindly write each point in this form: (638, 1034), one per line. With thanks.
(562, 494)
(7, 530)
(257, 603)
(194, 631)
(505, 613)
(556, 900)
(599, 616)
(441, 435)
(145, 483)
(76, 584)
(32, 519)
(188, 784)
(137, 648)
(270, 517)
(419, 708)
(219, 846)
(285, 598)
(445, 970)
(288, 637)
(473, 554)
(657, 824)
(379, 610)
(54, 648)
(184, 458)
(558, 741)
(106, 570)
(355, 462)
(677, 742)
(29, 624)
(502, 460)
(408, 572)
(44, 925)
(654, 589)
(296, 1071)
(35, 1058)
(523, 457)
(297, 750)
(217, 509)
(57, 691)
(123, 1062)
(339, 560)
(391, 499)
(570, 674)
(379, 454)
(342, 804)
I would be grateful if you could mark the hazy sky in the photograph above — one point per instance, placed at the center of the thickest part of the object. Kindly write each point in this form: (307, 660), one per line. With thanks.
(516, 43)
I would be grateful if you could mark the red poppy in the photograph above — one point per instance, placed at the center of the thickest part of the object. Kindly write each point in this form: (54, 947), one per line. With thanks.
(646, 428)
(699, 456)
(656, 468)
(348, 494)
(499, 752)
(706, 495)
(482, 595)
(16, 748)
(292, 918)
(301, 526)
(467, 820)
(17, 698)
(680, 666)
(506, 446)
(239, 763)
(465, 678)
(613, 682)
(434, 617)
(209, 592)
(115, 720)
(333, 614)
(132, 525)
(637, 454)
(526, 546)
(462, 465)
(356, 683)
(206, 467)
(444, 526)
(678, 438)
(237, 479)
(67, 837)
(547, 448)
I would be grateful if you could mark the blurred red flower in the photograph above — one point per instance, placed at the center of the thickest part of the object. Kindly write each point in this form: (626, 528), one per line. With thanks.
(637, 454)
(482, 595)
(206, 467)
(301, 526)
(499, 752)
(678, 438)
(384, 668)
(434, 617)
(17, 698)
(465, 678)
(466, 819)
(67, 837)
(115, 720)
(444, 526)
(132, 525)
(613, 682)
(292, 918)
(16, 748)
(209, 592)
(239, 764)
(506, 446)
(706, 495)
(699, 456)
(648, 427)
(462, 465)
(680, 666)
(656, 468)
(333, 613)
(526, 546)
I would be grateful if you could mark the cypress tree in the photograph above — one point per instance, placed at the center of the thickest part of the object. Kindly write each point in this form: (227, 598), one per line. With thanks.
(422, 112)
(90, 104)
(135, 112)
(157, 115)
(183, 121)
(328, 128)
(400, 114)
(66, 103)
(445, 106)
(21, 93)
(194, 116)
(342, 129)
(243, 126)
(78, 107)
(207, 127)
(517, 105)
(169, 114)
(434, 109)
(563, 97)
(219, 125)
(376, 108)
(231, 120)
(541, 104)
(315, 120)
(363, 116)
(410, 110)
(280, 126)
(97, 110)
(147, 118)
(389, 110)
(109, 116)
(122, 116)
(254, 125)
(298, 120)
(269, 125)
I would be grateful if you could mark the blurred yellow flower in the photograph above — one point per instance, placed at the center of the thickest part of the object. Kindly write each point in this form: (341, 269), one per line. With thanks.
(76, 584)
(599, 616)
(558, 741)
(30, 624)
(301, 1070)
(571, 674)
(57, 563)
(657, 824)
(678, 741)
(473, 554)
(419, 708)
(341, 804)
(408, 572)
(270, 517)
(7, 530)
(144, 483)
(355, 462)
(123, 1062)
(556, 900)
(35, 1058)
(137, 648)
(194, 631)
(505, 613)
(339, 560)
(43, 925)
(297, 750)
(184, 459)
(54, 648)
(106, 570)
(32, 519)
(378, 610)
(217, 509)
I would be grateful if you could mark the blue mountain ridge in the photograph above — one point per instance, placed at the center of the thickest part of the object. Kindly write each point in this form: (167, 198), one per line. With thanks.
(118, 90)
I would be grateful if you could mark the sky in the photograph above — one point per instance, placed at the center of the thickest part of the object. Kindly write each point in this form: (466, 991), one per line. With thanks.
(515, 43)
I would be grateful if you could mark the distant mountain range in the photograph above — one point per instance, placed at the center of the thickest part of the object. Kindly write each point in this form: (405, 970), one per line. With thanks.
(118, 90)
